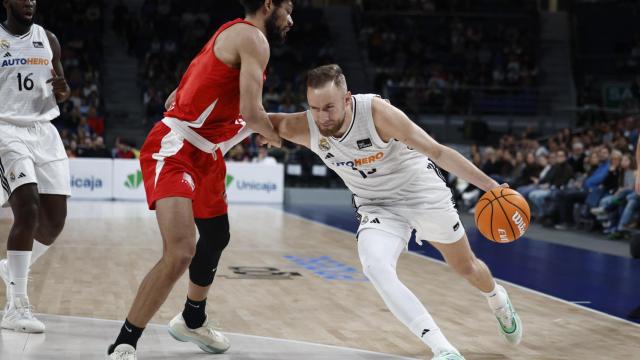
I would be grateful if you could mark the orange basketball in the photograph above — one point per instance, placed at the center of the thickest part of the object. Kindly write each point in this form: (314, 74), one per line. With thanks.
(502, 215)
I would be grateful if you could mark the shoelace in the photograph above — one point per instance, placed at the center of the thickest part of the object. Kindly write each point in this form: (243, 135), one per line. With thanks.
(26, 311)
(505, 316)
(213, 330)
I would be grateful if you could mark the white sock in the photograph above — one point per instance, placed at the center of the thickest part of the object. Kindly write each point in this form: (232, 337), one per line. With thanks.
(497, 298)
(18, 262)
(38, 249)
(428, 331)
(379, 252)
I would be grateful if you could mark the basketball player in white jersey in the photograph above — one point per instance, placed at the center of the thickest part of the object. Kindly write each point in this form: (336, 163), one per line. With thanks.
(34, 169)
(389, 164)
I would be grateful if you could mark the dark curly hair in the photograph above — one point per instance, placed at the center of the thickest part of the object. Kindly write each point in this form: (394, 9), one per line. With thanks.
(251, 6)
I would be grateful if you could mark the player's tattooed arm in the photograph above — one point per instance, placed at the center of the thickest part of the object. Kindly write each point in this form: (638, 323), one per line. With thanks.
(293, 127)
(61, 89)
(391, 123)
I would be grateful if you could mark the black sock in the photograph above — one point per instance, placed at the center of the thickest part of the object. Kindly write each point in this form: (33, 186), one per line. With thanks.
(194, 314)
(129, 334)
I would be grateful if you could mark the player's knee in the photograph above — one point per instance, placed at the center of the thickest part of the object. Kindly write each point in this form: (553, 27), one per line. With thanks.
(26, 215)
(179, 256)
(214, 233)
(214, 238)
(376, 270)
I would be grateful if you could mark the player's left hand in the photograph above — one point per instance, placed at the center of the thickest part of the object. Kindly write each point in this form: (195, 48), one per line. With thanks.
(60, 87)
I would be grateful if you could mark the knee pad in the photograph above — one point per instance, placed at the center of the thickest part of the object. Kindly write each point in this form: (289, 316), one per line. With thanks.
(214, 238)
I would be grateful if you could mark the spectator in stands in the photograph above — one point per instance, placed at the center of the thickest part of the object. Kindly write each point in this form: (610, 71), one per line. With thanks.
(574, 194)
(264, 157)
(238, 154)
(554, 181)
(95, 122)
(531, 170)
(577, 158)
(609, 210)
(546, 163)
(594, 183)
(124, 150)
(495, 165)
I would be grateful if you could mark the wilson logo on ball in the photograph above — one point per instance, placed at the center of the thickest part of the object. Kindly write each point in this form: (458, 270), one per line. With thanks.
(519, 221)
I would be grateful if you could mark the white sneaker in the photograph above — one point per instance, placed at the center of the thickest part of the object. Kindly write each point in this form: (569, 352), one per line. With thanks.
(19, 317)
(509, 323)
(123, 352)
(448, 355)
(207, 337)
(4, 274)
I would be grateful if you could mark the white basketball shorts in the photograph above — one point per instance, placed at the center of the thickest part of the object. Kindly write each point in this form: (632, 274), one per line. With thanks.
(437, 224)
(33, 154)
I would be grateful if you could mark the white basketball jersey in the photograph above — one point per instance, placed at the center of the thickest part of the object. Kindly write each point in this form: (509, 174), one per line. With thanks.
(25, 67)
(379, 173)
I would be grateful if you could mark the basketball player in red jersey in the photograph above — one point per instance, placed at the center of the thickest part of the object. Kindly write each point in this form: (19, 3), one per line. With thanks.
(184, 171)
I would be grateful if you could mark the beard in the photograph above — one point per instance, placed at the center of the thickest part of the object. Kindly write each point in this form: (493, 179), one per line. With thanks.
(327, 132)
(275, 35)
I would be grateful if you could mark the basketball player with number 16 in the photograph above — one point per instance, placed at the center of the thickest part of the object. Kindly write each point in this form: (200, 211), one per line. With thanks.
(389, 163)
(34, 169)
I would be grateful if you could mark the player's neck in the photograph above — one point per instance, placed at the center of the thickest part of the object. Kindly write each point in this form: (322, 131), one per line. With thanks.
(15, 28)
(348, 118)
(257, 22)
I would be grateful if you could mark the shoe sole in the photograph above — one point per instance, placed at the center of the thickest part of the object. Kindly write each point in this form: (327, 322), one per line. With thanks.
(202, 346)
(23, 330)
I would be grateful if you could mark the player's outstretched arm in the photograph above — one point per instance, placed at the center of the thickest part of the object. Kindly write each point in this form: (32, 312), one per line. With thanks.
(293, 127)
(392, 123)
(60, 87)
(253, 49)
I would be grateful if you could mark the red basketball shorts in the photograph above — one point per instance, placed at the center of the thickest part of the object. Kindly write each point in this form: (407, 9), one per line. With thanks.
(173, 167)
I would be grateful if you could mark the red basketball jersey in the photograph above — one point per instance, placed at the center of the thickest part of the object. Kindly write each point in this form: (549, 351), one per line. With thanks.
(208, 96)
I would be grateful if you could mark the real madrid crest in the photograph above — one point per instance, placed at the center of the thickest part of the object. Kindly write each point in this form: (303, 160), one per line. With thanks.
(12, 177)
(365, 220)
(323, 144)
(4, 45)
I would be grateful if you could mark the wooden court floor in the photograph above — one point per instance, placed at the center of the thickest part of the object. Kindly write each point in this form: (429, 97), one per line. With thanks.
(106, 249)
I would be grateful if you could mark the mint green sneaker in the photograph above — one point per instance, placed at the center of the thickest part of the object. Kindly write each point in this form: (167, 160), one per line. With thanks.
(509, 323)
(447, 355)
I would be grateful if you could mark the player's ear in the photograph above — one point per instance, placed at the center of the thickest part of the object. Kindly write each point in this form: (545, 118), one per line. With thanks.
(347, 98)
(268, 5)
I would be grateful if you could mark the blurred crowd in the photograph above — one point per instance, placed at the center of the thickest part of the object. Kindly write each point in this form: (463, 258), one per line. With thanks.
(77, 24)
(449, 6)
(572, 179)
(451, 58)
(164, 35)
